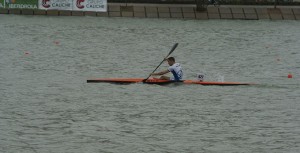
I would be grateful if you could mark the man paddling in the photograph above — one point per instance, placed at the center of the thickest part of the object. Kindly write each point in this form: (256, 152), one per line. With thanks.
(174, 68)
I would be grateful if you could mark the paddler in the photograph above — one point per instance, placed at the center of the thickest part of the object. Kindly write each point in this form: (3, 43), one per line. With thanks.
(174, 68)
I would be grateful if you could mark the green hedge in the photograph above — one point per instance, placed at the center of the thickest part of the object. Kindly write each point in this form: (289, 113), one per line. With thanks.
(20, 4)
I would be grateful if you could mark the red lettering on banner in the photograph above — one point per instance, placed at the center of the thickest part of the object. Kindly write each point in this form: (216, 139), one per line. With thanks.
(78, 4)
(45, 3)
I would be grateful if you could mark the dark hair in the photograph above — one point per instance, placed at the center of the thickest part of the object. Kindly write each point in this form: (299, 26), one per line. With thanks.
(171, 59)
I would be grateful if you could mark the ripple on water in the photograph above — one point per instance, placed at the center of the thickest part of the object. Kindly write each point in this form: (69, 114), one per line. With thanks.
(47, 106)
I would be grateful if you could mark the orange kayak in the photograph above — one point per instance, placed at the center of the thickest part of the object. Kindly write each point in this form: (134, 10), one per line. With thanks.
(161, 82)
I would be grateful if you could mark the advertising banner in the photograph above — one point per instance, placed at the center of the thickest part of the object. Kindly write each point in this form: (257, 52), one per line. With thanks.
(90, 5)
(20, 4)
(56, 4)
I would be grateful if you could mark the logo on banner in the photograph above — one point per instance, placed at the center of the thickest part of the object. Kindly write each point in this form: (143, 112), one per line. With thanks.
(56, 4)
(45, 3)
(20, 4)
(78, 4)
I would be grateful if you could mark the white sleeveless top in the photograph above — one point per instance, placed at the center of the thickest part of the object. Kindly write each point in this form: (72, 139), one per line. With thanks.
(177, 72)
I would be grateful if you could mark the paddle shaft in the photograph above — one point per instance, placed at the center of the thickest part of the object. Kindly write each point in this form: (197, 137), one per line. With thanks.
(173, 48)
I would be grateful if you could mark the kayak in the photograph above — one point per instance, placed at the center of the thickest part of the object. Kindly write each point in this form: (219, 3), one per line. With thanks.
(162, 82)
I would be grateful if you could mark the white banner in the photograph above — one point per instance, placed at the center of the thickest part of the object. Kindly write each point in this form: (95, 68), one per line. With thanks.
(90, 5)
(77, 5)
(56, 4)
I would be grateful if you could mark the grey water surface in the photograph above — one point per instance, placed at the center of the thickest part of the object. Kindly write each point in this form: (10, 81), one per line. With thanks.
(46, 106)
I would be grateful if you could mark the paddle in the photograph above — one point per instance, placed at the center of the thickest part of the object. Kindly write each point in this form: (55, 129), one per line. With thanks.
(171, 51)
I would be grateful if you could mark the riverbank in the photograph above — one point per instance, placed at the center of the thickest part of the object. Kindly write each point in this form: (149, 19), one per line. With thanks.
(179, 11)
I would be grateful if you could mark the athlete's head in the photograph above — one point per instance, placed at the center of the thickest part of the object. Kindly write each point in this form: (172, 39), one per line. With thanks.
(171, 60)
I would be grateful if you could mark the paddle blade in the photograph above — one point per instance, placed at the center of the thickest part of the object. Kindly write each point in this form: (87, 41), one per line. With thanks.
(173, 48)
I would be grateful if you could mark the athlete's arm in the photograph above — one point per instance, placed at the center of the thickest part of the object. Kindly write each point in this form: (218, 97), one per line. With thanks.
(161, 73)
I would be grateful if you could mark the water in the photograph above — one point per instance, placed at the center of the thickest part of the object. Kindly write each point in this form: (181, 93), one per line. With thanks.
(47, 106)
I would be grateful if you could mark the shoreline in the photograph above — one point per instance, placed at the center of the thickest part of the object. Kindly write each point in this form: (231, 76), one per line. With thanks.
(177, 11)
